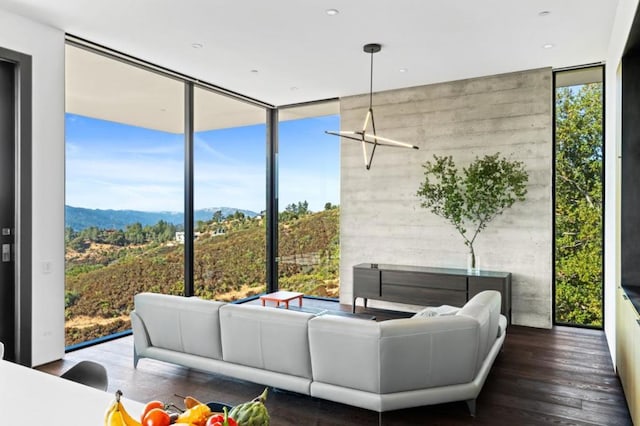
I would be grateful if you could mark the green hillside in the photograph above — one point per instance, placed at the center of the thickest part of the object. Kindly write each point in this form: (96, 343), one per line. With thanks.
(229, 265)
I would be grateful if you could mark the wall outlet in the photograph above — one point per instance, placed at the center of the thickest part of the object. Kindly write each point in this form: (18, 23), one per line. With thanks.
(46, 267)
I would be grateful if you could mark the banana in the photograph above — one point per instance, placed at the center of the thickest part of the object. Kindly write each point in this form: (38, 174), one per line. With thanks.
(128, 420)
(117, 415)
(115, 418)
(107, 413)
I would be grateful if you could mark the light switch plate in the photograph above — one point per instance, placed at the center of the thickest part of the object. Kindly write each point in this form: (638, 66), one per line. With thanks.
(6, 252)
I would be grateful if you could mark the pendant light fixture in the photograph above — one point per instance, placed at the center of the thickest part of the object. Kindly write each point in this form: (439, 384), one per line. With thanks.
(363, 136)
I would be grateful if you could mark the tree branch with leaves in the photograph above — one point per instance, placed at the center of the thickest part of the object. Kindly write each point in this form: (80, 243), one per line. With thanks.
(471, 199)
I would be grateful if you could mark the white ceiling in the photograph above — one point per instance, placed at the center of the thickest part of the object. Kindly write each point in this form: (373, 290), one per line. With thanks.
(302, 54)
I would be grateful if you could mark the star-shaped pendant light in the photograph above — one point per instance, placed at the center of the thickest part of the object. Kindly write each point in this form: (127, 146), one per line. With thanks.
(363, 136)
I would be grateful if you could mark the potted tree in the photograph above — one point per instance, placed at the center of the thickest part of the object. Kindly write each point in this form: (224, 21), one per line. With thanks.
(473, 198)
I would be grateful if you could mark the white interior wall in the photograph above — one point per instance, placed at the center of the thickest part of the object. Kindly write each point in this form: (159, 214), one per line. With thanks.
(381, 218)
(46, 47)
(613, 98)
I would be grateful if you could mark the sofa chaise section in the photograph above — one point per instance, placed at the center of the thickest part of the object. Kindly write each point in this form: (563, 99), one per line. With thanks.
(409, 362)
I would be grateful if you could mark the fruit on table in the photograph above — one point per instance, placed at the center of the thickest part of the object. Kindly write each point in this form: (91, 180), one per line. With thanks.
(252, 413)
(117, 415)
(197, 415)
(150, 406)
(190, 402)
(221, 420)
(156, 417)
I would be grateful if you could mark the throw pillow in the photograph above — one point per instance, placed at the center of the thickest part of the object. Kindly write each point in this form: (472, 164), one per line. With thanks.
(436, 311)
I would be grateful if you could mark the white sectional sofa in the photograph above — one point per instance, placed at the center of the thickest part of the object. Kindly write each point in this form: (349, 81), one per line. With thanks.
(379, 366)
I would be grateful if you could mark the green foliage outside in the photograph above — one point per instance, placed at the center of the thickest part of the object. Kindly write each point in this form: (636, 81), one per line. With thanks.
(471, 199)
(579, 198)
(294, 211)
(102, 278)
(133, 234)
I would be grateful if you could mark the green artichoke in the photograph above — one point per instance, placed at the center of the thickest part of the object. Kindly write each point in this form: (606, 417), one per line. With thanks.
(252, 413)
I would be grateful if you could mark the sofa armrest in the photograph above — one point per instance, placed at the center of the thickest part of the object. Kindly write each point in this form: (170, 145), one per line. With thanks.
(141, 339)
(502, 325)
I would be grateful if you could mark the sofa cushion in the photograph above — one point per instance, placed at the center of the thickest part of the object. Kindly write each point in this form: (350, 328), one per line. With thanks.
(183, 324)
(427, 352)
(268, 338)
(345, 352)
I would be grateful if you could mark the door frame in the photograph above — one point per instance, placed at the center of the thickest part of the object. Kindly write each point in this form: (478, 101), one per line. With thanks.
(23, 204)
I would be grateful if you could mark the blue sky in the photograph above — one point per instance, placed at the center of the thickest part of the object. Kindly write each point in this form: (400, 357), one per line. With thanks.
(117, 166)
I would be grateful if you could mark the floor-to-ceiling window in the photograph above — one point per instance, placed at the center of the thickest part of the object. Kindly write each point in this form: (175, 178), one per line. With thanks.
(135, 165)
(124, 190)
(579, 196)
(309, 200)
(229, 197)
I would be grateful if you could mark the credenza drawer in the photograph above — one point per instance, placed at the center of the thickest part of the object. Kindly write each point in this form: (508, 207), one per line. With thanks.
(423, 296)
(427, 280)
(367, 282)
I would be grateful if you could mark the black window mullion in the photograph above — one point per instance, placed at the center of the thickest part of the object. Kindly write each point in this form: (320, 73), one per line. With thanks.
(272, 200)
(188, 189)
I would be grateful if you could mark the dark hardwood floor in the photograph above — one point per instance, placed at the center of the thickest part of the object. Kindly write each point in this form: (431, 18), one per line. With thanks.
(562, 376)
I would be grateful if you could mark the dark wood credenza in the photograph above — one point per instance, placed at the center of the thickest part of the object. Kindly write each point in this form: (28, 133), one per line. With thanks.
(420, 285)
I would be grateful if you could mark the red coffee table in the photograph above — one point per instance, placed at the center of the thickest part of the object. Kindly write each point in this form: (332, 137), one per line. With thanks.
(282, 296)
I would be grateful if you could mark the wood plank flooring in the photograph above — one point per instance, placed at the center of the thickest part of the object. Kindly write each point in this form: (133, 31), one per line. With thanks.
(562, 376)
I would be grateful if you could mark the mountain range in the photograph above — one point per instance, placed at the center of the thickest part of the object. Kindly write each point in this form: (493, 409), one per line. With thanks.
(80, 218)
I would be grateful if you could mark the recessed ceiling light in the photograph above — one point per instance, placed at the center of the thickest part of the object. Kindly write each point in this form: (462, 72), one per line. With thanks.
(403, 70)
(544, 13)
(197, 45)
(254, 71)
(332, 12)
(547, 46)
(293, 88)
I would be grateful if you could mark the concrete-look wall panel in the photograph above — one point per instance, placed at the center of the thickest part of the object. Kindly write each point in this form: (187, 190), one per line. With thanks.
(381, 218)
(455, 91)
(468, 109)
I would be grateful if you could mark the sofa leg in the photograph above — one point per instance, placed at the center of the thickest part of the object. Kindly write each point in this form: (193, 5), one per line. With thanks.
(471, 403)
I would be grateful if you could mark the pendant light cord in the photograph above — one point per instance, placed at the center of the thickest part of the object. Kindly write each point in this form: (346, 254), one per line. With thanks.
(371, 83)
